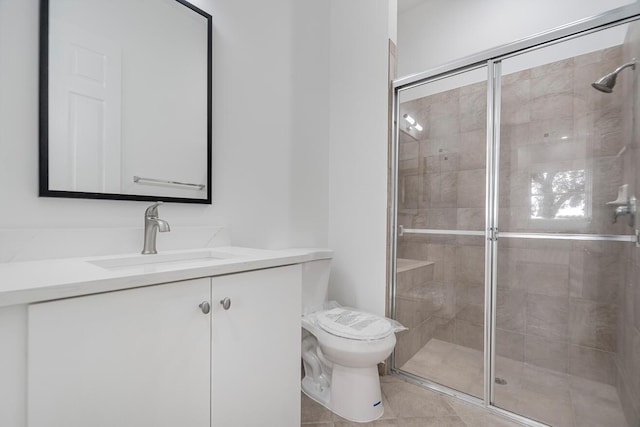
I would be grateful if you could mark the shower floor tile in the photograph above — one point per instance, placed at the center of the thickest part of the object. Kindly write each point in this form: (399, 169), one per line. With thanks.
(548, 396)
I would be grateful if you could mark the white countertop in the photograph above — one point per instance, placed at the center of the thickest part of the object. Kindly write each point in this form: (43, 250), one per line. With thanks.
(34, 281)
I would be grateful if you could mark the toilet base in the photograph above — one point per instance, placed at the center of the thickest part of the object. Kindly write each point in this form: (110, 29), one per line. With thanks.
(354, 393)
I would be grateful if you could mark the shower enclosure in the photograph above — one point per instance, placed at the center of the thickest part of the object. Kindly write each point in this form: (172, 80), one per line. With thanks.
(514, 248)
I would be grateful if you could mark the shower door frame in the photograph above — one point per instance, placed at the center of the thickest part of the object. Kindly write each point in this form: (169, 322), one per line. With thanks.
(492, 60)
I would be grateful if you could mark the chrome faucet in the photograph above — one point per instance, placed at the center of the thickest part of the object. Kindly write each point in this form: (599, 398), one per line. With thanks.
(153, 224)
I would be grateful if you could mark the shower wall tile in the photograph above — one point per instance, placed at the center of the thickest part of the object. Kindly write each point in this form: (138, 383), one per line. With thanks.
(630, 402)
(544, 252)
(442, 125)
(407, 344)
(448, 309)
(409, 186)
(511, 78)
(468, 334)
(510, 310)
(449, 162)
(595, 276)
(470, 265)
(408, 150)
(436, 254)
(444, 329)
(408, 167)
(429, 164)
(634, 298)
(443, 145)
(443, 190)
(593, 324)
(563, 66)
(551, 106)
(634, 360)
(473, 109)
(510, 344)
(408, 311)
(550, 128)
(412, 250)
(592, 364)
(450, 260)
(471, 188)
(515, 101)
(443, 218)
(405, 219)
(472, 149)
(543, 278)
(546, 353)
(414, 276)
(547, 317)
(558, 82)
(473, 313)
(444, 103)
(471, 219)
(469, 302)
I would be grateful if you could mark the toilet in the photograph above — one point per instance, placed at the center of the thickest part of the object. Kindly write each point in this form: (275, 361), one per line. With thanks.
(341, 349)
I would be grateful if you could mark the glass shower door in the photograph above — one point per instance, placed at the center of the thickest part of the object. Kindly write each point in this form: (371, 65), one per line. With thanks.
(441, 212)
(564, 150)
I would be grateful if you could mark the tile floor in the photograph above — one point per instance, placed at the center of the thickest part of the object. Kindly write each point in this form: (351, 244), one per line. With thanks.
(408, 405)
(548, 396)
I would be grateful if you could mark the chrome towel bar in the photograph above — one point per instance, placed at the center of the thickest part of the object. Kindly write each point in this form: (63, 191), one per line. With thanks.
(165, 181)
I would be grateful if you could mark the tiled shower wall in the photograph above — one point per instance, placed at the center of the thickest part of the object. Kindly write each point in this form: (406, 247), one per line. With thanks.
(628, 350)
(441, 185)
(558, 301)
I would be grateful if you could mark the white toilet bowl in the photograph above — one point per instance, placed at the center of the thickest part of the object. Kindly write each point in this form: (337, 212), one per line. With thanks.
(341, 373)
(341, 350)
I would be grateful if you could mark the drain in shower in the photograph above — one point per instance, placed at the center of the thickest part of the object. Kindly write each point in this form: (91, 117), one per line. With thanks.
(501, 381)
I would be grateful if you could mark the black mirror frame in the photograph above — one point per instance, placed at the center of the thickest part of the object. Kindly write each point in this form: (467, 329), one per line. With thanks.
(43, 131)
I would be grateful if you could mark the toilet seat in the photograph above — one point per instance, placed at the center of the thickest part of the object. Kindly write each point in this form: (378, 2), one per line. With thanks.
(355, 325)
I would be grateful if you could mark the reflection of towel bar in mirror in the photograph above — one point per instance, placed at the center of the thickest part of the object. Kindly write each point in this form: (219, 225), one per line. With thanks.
(165, 181)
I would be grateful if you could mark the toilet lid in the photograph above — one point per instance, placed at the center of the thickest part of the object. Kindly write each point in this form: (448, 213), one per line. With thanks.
(354, 325)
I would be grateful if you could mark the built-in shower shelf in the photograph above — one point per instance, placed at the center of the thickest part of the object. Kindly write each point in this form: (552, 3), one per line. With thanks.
(412, 274)
(405, 264)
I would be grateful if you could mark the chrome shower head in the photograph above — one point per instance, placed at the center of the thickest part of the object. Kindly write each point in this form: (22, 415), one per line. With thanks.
(607, 82)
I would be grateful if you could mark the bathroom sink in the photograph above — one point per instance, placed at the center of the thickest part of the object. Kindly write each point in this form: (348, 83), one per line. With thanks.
(162, 262)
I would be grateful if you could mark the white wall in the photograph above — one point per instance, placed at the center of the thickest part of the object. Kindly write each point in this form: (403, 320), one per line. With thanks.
(270, 180)
(358, 151)
(436, 32)
(273, 143)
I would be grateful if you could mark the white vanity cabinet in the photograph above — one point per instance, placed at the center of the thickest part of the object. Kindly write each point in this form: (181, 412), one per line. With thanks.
(150, 356)
(131, 358)
(256, 349)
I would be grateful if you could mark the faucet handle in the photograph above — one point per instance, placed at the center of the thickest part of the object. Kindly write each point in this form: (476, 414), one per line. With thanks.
(152, 211)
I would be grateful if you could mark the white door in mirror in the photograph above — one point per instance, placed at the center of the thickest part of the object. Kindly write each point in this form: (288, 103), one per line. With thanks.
(84, 128)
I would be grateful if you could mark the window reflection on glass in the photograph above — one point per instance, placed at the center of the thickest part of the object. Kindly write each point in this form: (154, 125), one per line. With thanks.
(558, 195)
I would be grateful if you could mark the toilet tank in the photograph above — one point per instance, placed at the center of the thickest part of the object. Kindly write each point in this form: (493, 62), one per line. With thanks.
(315, 284)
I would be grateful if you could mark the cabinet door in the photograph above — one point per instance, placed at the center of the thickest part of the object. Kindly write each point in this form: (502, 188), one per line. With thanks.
(256, 349)
(131, 358)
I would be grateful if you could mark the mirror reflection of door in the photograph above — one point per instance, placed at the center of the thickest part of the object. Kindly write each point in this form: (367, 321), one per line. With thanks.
(84, 129)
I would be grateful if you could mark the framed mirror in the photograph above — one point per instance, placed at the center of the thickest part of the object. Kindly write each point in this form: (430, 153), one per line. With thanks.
(125, 100)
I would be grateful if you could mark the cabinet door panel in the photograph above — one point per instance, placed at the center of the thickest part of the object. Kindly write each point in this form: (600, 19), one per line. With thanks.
(138, 357)
(256, 349)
